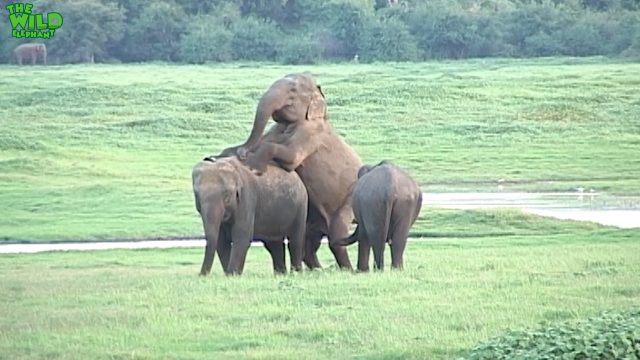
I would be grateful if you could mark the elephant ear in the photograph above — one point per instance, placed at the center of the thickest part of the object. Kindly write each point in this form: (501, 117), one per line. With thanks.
(317, 106)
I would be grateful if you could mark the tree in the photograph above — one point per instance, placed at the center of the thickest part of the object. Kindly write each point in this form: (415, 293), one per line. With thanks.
(155, 35)
(387, 39)
(89, 29)
(255, 39)
(346, 23)
(206, 39)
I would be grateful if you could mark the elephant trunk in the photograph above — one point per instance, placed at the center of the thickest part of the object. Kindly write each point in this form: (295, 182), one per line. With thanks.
(211, 219)
(274, 99)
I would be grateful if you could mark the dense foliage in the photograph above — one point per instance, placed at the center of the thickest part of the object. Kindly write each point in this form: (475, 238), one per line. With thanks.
(608, 336)
(307, 31)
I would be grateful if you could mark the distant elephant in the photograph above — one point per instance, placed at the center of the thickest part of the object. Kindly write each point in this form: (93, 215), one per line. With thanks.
(237, 206)
(30, 53)
(386, 203)
(304, 141)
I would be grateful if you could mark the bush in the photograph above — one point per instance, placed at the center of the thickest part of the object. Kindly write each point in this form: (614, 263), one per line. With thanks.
(345, 26)
(299, 50)
(206, 40)
(608, 336)
(155, 34)
(387, 40)
(255, 39)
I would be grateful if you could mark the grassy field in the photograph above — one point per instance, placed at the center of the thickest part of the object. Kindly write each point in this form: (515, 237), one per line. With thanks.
(453, 294)
(105, 151)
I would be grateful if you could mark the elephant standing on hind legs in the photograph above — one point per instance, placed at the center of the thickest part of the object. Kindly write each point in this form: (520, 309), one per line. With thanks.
(303, 140)
(386, 203)
(236, 206)
(30, 53)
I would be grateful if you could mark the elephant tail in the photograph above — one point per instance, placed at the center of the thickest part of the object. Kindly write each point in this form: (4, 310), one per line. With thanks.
(349, 240)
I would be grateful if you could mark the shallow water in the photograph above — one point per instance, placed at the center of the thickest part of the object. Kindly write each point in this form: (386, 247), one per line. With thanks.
(618, 211)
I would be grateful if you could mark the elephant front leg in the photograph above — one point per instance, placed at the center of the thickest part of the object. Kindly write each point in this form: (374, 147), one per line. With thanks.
(224, 247)
(241, 241)
(207, 263)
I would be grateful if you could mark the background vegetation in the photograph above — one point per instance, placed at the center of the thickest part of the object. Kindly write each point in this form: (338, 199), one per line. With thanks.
(309, 31)
(106, 151)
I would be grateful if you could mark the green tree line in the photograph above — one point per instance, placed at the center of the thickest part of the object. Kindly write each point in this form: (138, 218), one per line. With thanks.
(309, 31)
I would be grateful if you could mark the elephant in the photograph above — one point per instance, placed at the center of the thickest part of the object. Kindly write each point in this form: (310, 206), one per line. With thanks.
(30, 53)
(237, 206)
(386, 203)
(303, 140)
(288, 100)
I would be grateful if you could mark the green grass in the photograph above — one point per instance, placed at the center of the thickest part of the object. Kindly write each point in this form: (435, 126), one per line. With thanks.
(105, 151)
(454, 293)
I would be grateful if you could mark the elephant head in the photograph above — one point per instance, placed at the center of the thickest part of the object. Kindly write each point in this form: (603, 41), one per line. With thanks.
(295, 97)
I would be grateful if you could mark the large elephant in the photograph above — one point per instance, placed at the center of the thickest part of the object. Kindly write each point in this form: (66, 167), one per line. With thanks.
(386, 203)
(30, 53)
(237, 206)
(304, 141)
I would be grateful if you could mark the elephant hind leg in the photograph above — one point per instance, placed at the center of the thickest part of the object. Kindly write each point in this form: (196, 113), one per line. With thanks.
(312, 242)
(399, 238)
(276, 249)
(297, 241)
(364, 250)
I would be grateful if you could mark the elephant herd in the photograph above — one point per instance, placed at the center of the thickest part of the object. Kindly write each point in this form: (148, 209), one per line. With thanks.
(301, 181)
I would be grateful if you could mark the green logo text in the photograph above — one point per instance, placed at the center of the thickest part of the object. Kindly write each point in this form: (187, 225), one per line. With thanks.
(28, 25)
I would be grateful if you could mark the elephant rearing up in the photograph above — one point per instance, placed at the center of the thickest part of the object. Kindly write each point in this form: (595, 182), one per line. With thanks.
(304, 141)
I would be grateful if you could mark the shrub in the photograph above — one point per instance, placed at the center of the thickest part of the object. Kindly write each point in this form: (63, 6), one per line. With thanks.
(155, 34)
(345, 24)
(255, 39)
(299, 50)
(206, 40)
(608, 336)
(387, 40)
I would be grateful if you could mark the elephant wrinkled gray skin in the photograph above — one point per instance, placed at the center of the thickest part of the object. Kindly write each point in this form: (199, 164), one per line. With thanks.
(304, 141)
(30, 53)
(237, 206)
(386, 203)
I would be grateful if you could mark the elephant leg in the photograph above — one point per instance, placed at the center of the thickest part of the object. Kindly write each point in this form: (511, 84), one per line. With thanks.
(34, 58)
(339, 229)
(311, 246)
(298, 146)
(224, 247)
(399, 234)
(241, 240)
(276, 249)
(297, 241)
(378, 243)
(207, 263)
(364, 249)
